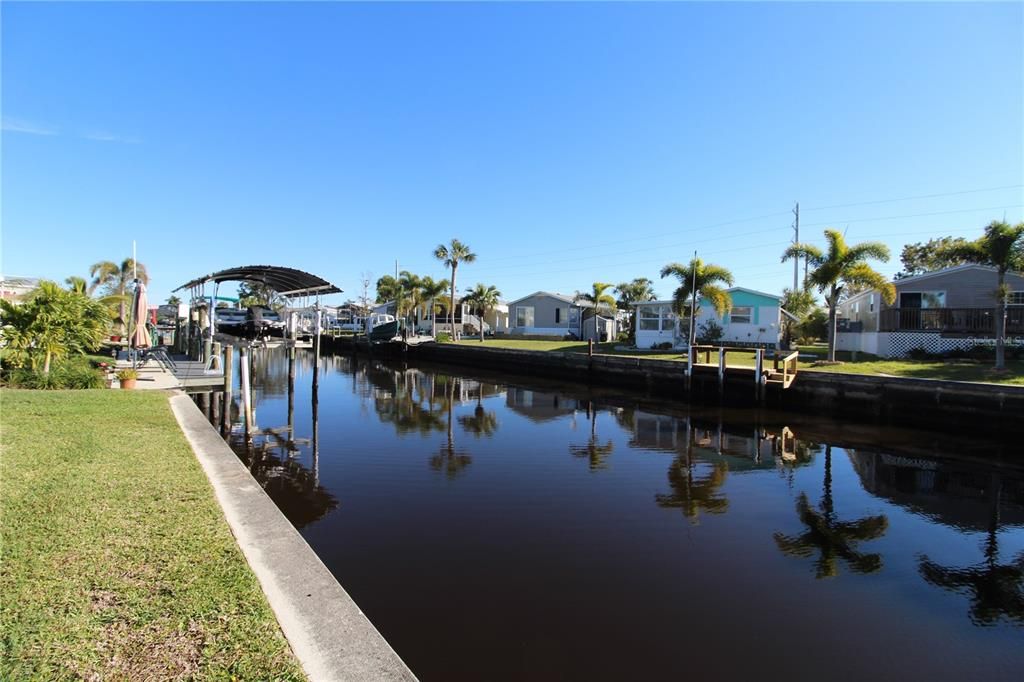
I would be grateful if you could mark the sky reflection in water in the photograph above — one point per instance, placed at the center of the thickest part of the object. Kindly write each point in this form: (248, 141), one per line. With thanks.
(501, 528)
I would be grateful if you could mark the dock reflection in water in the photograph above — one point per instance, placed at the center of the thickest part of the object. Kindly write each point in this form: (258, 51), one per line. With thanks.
(506, 529)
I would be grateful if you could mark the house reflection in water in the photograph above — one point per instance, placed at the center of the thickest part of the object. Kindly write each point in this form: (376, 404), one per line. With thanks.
(970, 500)
(538, 406)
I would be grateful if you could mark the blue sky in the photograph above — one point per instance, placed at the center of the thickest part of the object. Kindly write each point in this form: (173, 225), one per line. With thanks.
(566, 143)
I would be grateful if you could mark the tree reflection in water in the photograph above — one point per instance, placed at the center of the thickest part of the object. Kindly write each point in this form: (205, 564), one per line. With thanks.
(483, 423)
(450, 460)
(996, 590)
(594, 451)
(831, 538)
(694, 489)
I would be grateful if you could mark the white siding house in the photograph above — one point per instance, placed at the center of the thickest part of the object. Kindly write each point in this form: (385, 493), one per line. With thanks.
(755, 320)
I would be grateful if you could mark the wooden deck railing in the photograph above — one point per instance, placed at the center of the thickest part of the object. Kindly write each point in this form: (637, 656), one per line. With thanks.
(950, 320)
(789, 367)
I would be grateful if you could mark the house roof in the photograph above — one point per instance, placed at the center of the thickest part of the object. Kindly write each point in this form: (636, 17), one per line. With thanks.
(946, 271)
(560, 297)
(729, 290)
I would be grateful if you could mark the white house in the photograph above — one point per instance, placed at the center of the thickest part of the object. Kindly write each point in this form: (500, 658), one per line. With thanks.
(755, 320)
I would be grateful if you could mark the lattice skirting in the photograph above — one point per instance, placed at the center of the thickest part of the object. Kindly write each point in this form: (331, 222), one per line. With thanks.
(900, 343)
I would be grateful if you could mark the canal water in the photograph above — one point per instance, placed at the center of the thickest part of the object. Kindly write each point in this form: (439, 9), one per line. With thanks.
(501, 528)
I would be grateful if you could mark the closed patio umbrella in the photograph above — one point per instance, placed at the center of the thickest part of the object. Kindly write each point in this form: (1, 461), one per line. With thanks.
(140, 308)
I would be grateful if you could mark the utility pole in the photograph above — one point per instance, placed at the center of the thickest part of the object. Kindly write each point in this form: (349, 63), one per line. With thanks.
(796, 240)
(693, 303)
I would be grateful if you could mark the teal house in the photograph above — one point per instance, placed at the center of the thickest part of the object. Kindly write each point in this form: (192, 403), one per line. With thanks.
(755, 320)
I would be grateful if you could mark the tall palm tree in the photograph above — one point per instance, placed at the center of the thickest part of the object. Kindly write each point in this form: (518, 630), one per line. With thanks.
(699, 280)
(116, 279)
(430, 291)
(452, 255)
(1002, 246)
(831, 538)
(639, 290)
(596, 297)
(482, 299)
(410, 293)
(841, 267)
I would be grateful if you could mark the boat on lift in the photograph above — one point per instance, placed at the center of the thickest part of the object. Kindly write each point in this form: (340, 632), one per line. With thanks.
(383, 328)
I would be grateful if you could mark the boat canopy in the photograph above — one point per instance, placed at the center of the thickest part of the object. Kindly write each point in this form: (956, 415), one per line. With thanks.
(287, 282)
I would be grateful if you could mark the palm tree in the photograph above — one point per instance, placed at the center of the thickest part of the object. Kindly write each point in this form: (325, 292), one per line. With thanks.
(843, 266)
(699, 280)
(116, 279)
(388, 289)
(430, 291)
(639, 290)
(799, 303)
(595, 298)
(1002, 247)
(50, 324)
(831, 538)
(482, 299)
(77, 284)
(453, 254)
(410, 293)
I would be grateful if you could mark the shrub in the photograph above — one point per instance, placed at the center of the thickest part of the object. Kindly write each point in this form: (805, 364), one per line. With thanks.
(815, 325)
(76, 373)
(444, 337)
(126, 373)
(623, 337)
(666, 345)
(709, 333)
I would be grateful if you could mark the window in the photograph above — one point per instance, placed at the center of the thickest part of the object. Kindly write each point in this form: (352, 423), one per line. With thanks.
(923, 299)
(742, 314)
(524, 315)
(649, 317)
(558, 315)
(871, 303)
(1015, 298)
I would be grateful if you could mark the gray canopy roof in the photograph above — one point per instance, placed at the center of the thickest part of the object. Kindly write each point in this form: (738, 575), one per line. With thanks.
(287, 282)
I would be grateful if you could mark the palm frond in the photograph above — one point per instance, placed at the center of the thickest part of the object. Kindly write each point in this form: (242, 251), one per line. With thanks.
(719, 299)
(809, 251)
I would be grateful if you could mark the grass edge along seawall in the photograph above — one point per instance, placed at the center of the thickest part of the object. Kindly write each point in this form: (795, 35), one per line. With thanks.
(117, 560)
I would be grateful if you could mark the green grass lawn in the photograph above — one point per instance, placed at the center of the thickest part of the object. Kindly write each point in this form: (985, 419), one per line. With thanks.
(117, 562)
(953, 370)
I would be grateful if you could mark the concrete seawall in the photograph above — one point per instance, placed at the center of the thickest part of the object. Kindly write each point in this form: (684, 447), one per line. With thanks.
(926, 403)
(330, 636)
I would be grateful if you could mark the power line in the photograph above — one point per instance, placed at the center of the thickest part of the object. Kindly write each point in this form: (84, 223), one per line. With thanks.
(919, 196)
(662, 247)
(914, 215)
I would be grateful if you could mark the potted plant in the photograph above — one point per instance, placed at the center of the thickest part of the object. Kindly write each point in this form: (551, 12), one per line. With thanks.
(127, 377)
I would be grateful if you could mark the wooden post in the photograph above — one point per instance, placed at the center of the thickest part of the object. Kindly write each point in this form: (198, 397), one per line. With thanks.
(590, 348)
(758, 375)
(228, 369)
(721, 372)
(243, 363)
(689, 368)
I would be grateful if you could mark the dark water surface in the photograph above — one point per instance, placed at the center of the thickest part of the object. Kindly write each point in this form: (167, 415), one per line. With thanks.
(499, 528)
